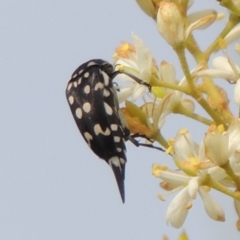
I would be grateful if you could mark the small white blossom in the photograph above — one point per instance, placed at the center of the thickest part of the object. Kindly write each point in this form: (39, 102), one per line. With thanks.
(140, 63)
(191, 158)
(224, 68)
(171, 98)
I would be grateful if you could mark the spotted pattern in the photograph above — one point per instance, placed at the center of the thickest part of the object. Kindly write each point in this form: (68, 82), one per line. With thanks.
(69, 86)
(88, 137)
(71, 100)
(86, 74)
(87, 89)
(75, 84)
(79, 81)
(116, 139)
(87, 107)
(79, 113)
(106, 78)
(119, 149)
(123, 161)
(93, 103)
(108, 109)
(99, 85)
(91, 63)
(106, 93)
(98, 130)
(115, 161)
(114, 127)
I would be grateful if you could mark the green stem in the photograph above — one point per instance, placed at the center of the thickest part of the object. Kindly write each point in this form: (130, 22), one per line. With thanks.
(184, 111)
(193, 90)
(158, 137)
(229, 4)
(233, 21)
(231, 174)
(155, 82)
(208, 181)
(180, 50)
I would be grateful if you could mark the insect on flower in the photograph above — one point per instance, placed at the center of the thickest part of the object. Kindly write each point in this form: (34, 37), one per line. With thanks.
(93, 102)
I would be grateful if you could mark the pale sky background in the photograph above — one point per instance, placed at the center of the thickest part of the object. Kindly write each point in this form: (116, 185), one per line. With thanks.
(52, 187)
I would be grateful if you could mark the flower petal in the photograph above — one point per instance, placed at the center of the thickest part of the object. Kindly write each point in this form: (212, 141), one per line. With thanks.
(212, 207)
(178, 209)
(237, 93)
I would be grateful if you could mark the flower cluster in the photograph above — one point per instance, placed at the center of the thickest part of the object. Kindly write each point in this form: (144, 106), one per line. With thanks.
(214, 163)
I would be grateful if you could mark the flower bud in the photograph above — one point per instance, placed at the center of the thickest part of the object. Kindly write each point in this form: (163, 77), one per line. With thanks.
(170, 23)
(149, 7)
(216, 145)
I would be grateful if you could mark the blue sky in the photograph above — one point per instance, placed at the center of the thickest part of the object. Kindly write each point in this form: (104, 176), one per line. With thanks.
(52, 187)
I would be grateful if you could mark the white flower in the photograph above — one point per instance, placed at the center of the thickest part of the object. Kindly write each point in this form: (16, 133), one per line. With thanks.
(189, 187)
(139, 63)
(167, 100)
(190, 158)
(225, 64)
(224, 68)
(172, 27)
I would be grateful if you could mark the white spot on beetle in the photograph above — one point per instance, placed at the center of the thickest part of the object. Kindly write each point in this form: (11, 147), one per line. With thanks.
(71, 99)
(123, 161)
(114, 161)
(69, 86)
(79, 81)
(106, 93)
(114, 127)
(99, 85)
(79, 113)
(119, 149)
(75, 84)
(86, 74)
(90, 64)
(117, 139)
(98, 130)
(75, 75)
(87, 107)
(88, 137)
(80, 71)
(108, 109)
(106, 78)
(87, 89)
